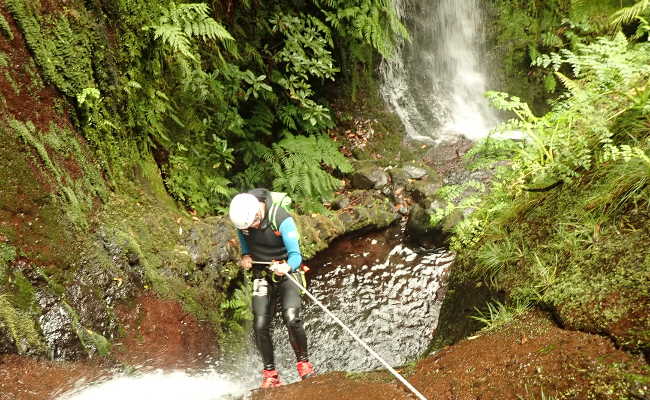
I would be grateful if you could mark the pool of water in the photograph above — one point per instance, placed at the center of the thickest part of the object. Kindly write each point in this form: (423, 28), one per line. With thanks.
(381, 288)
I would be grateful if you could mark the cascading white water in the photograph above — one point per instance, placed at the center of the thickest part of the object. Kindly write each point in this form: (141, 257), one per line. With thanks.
(436, 82)
(161, 385)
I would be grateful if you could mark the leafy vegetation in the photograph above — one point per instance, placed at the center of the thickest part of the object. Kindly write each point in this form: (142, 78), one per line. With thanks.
(570, 196)
(498, 314)
(297, 162)
(525, 30)
(208, 97)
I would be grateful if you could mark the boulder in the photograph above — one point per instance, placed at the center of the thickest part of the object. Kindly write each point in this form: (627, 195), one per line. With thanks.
(414, 172)
(369, 176)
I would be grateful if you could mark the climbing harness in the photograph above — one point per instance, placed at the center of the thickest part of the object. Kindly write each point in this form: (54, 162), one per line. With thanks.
(348, 330)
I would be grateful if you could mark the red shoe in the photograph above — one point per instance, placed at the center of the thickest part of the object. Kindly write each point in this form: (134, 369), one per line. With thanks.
(270, 379)
(305, 369)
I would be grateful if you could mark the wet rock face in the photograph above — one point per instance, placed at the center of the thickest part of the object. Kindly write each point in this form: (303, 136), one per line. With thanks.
(448, 155)
(424, 192)
(414, 172)
(208, 242)
(87, 305)
(125, 260)
(399, 177)
(57, 329)
(420, 230)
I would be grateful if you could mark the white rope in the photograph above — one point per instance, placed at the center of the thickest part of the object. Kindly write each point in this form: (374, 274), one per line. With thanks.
(358, 339)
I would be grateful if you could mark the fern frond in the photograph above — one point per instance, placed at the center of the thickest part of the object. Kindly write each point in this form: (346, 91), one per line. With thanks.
(6, 28)
(287, 113)
(180, 23)
(629, 14)
(174, 37)
(299, 166)
(572, 86)
(262, 120)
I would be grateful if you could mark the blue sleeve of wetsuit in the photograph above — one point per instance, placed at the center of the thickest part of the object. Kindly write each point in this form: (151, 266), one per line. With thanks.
(291, 240)
(243, 245)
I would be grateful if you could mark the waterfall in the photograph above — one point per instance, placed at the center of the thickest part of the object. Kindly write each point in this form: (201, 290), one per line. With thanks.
(437, 80)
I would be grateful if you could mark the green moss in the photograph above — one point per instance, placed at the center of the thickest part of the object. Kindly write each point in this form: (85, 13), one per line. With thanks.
(592, 269)
(7, 253)
(316, 231)
(90, 340)
(53, 283)
(61, 48)
(604, 289)
(25, 295)
(19, 325)
(149, 230)
(26, 198)
(76, 193)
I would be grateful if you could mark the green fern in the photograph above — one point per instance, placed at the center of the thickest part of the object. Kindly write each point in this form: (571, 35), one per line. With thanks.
(627, 15)
(261, 120)
(6, 28)
(180, 23)
(371, 21)
(288, 114)
(196, 174)
(300, 166)
(62, 50)
(600, 124)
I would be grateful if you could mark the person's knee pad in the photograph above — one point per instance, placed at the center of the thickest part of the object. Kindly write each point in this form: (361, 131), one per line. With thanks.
(292, 317)
(261, 323)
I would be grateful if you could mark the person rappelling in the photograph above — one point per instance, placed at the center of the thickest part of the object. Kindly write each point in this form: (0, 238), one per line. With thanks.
(270, 247)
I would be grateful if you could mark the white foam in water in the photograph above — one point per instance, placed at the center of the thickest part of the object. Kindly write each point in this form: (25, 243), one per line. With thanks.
(161, 385)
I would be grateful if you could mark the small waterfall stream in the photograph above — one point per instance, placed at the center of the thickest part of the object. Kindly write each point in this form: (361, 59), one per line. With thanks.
(436, 82)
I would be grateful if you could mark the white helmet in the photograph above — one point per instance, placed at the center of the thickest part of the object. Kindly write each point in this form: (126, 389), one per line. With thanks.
(243, 209)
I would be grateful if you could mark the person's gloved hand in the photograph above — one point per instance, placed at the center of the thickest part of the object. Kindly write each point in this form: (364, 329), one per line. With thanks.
(246, 262)
(280, 268)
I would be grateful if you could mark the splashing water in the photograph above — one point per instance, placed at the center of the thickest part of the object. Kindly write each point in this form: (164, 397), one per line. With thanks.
(436, 82)
(161, 385)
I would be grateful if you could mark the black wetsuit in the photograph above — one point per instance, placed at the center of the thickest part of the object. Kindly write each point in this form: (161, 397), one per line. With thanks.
(265, 244)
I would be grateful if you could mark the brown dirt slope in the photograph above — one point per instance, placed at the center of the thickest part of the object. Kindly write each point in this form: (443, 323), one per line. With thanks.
(530, 359)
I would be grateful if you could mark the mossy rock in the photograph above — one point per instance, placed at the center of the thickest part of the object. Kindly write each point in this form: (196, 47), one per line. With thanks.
(606, 291)
(462, 300)
(365, 210)
(369, 210)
